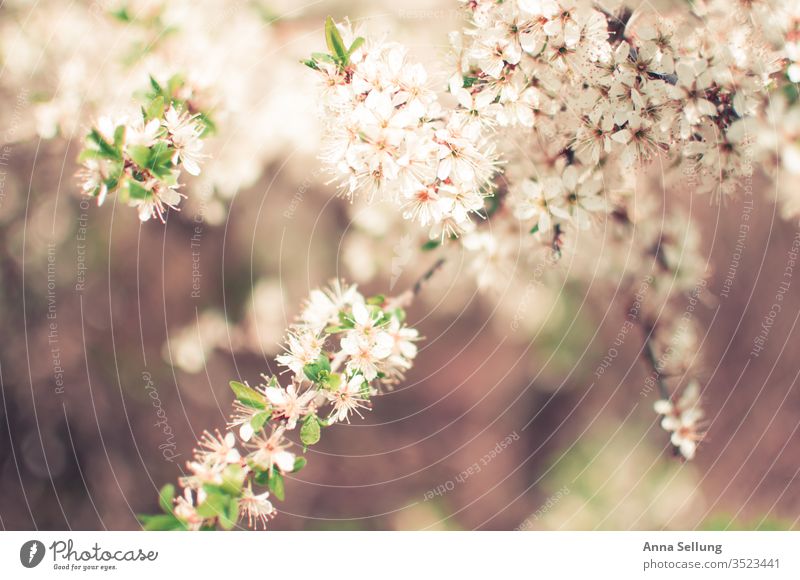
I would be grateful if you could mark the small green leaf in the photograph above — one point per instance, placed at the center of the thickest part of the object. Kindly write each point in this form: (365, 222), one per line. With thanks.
(155, 109)
(103, 147)
(161, 523)
(136, 191)
(299, 464)
(174, 83)
(140, 154)
(212, 505)
(160, 161)
(310, 431)
(90, 154)
(276, 485)
(333, 382)
(431, 245)
(156, 87)
(335, 43)
(165, 497)
(376, 300)
(261, 477)
(247, 396)
(534, 229)
(346, 321)
(232, 480)
(322, 56)
(229, 515)
(219, 504)
(355, 46)
(319, 369)
(122, 15)
(209, 127)
(119, 136)
(258, 420)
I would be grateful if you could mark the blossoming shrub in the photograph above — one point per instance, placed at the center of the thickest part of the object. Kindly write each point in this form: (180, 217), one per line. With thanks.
(551, 112)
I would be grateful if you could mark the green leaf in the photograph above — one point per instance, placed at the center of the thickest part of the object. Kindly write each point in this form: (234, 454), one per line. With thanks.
(355, 46)
(209, 127)
(335, 43)
(122, 15)
(334, 380)
(119, 136)
(258, 420)
(299, 464)
(319, 369)
(247, 396)
(155, 109)
(383, 318)
(103, 147)
(174, 83)
(534, 229)
(310, 431)
(260, 477)
(160, 161)
(345, 321)
(165, 497)
(322, 56)
(232, 480)
(220, 504)
(376, 300)
(140, 154)
(431, 245)
(229, 515)
(136, 191)
(161, 523)
(276, 485)
(212, 505)
(90, 154)
(156, 87)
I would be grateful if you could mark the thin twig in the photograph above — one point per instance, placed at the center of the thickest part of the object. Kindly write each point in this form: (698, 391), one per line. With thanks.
(650, 358)
(427, 275)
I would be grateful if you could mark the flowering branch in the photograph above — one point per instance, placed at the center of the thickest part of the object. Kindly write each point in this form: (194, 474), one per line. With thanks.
(680, 419)
(388, 136)
(141, 158)
(341, 352)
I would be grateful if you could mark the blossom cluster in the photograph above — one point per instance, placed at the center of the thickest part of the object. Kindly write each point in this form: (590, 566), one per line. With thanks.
(602, 93)
(140, 157)
(388, 136)
(342, 350)
(682, 419)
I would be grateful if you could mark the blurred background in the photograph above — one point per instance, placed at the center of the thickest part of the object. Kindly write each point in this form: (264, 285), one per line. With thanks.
(120, 337)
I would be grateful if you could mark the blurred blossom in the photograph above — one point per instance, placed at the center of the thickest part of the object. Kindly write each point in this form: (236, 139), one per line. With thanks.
(189, 347)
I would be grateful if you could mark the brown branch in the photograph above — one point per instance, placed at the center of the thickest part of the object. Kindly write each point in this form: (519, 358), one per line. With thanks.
(427, 276)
